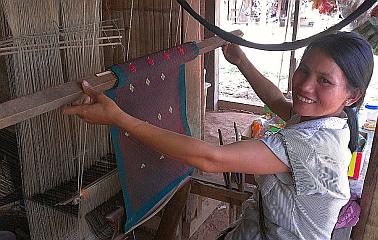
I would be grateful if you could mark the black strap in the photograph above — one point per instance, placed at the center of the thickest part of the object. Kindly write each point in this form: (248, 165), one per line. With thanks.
(285, 46)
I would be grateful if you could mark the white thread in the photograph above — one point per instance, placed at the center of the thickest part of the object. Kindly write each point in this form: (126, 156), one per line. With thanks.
(169, 26)
(178, 25)
(130, 23)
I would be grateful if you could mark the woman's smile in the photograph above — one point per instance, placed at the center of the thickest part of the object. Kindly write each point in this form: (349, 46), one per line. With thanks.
(304, 99)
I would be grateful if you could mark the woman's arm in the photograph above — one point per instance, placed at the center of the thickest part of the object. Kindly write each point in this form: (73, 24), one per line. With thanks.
(245, 156)
(269, 93)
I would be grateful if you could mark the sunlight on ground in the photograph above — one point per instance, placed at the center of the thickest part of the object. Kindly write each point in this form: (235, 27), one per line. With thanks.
(274, 65)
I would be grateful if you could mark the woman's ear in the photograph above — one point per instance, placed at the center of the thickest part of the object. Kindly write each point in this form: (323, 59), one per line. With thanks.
(354, 95)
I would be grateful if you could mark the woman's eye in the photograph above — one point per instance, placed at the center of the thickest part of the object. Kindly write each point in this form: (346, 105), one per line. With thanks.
(324, 81)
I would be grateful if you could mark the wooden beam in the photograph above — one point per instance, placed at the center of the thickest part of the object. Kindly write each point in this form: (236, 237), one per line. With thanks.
(20, 109)
(212, 43)
(172, 214)
(191, 31)
(211, 59)
(293, 61)
(239, 105)
(217, 190)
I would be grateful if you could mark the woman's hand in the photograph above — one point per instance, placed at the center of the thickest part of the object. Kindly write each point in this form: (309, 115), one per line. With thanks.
(233, 53)
(95, 108)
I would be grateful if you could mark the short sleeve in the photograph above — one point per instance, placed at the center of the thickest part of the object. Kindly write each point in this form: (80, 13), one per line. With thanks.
(275, 144)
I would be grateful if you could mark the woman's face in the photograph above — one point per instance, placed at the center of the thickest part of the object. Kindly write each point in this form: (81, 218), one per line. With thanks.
(319, 87)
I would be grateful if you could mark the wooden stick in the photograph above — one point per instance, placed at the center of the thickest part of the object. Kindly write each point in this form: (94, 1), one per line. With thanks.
(60, 43)
(212, 43)
(20, 109)
(61, 47)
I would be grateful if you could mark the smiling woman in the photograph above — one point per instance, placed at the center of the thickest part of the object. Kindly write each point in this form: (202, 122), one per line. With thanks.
(328, 85)
(300, 168)
(320, 87)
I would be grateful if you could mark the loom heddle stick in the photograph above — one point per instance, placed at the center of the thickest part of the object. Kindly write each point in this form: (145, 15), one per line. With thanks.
(23, 108)
(20, 109)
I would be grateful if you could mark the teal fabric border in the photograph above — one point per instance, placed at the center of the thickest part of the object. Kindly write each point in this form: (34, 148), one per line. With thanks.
(122, 80)
(195, 48)
(182, 91)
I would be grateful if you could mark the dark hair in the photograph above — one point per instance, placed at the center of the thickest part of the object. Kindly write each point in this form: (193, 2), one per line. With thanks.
(354, 56)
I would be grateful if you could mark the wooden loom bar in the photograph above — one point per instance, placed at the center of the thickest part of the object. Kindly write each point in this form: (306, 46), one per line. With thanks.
(20, 109)
(214, 42)
(216, 189)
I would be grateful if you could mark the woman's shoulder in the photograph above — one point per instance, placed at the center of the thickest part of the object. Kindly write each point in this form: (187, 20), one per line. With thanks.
(327, 126)
(323, 144)
(327, 137)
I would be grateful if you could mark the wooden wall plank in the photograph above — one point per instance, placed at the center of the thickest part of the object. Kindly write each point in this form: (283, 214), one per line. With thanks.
(211, 60)
(139, 29)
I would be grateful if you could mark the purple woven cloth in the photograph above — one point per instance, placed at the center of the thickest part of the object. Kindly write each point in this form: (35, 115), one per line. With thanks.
(151, 88)
(349, 214)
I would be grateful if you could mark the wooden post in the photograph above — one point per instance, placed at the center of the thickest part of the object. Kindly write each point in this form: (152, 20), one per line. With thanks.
(293, 62)
(172, 214)
(211, 62)
(368, 191)
(194, 86)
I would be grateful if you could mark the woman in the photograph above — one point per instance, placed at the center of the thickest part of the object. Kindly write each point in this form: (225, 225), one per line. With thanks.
(302, 170)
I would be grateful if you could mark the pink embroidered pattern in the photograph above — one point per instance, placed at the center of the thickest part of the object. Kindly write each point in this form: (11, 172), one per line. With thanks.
(181, 50)
(166, 56)
(132, 68)
(150, 61)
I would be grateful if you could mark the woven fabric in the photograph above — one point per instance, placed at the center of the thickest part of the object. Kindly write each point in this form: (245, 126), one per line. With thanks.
(151, 88)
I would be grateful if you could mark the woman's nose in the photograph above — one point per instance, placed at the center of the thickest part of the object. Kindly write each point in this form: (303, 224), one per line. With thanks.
(307, 84)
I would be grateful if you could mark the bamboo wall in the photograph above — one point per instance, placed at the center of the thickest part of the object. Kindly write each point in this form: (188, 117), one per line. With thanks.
(154, 26)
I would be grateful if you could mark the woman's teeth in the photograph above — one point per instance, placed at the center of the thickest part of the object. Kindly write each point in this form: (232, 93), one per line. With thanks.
(306, 100)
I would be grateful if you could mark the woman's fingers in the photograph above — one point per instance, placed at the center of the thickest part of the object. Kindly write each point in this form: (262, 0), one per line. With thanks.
(92, 93)
(72, 110)
(87, 100)
(225, 47)
(94, 106)
(87, 89)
